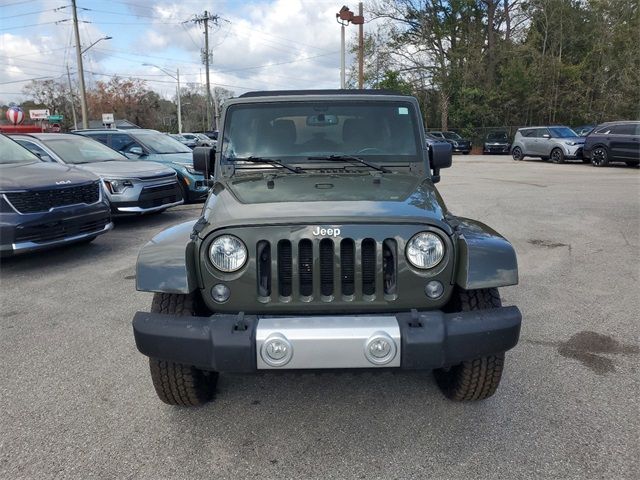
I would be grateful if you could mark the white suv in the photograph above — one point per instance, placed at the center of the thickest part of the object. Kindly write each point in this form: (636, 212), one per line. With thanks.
(557, 143)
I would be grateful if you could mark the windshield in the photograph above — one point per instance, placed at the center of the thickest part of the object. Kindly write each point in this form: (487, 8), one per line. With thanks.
(562, 132)
(160, 143)
(294, 131)
(451, 135)
(497, 137)
(11, 152)
(76, 149)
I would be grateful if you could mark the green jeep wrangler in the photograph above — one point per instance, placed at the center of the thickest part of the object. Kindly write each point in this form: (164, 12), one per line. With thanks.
(325, 245)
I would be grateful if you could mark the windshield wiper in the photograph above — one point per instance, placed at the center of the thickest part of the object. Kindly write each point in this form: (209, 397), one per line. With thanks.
(346, 158)
(270, 161)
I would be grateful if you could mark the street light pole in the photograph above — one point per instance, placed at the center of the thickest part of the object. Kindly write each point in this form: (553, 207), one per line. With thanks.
(342, 48)
(344, 17)
(177, 79)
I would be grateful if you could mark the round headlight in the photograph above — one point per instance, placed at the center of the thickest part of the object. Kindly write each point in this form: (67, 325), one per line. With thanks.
(425, 250)
(228, 253)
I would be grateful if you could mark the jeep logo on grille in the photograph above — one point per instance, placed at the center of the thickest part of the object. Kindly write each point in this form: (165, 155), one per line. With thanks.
(326, 232)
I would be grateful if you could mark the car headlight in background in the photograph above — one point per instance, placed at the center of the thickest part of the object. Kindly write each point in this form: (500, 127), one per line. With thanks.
(572, 144)
(228, 253)
(117, 185)
(425, 250)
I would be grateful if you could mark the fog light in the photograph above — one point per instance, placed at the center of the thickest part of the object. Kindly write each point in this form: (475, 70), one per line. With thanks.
(380, 348)
(434, 289)
(220, 293)
(276, 350)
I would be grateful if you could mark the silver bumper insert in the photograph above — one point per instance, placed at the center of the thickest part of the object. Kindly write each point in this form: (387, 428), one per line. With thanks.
(327, 342)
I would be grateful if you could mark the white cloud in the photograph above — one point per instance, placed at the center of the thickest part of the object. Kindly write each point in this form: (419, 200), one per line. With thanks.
(279, 44)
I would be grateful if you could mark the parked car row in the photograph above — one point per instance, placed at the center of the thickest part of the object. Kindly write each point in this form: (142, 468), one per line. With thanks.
(193, 140)
(64, 188)
(458, 144)
(606, 143)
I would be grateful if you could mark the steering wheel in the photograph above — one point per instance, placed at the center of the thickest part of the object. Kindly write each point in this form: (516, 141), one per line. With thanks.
(372, 150)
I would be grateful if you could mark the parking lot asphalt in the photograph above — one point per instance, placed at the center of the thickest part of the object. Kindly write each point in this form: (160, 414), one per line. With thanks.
(76, 399)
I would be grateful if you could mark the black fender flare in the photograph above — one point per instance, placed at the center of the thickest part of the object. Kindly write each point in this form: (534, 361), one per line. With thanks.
(166, 263)
(485, 258)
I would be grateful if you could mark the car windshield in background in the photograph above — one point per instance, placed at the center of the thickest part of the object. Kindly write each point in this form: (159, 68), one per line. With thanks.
(451, 136)
(295, 131)
(79, 149)
(160, 143)
(12, 152)
(562, 132)
(497, 137)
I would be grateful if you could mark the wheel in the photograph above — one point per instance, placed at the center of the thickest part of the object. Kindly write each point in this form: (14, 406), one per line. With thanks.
(516, 153)
(585, 160)
(599, 157)
(465, 153)
(176, 383)
(479, 378)
(557, 155)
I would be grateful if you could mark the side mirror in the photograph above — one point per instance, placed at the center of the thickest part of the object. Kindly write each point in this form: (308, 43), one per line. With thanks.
(136, 151)
(204, 160)
(440, 154)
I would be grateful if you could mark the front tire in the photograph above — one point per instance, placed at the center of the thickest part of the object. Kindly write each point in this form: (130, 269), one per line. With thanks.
(176, 383)
(516, 154)
(479, 378)
(557, 155)
(599, 157)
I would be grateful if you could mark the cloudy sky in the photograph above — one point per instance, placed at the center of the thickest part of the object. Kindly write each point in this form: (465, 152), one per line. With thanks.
(257, 44)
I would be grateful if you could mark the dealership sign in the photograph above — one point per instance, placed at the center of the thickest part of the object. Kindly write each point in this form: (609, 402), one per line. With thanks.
(39, 114)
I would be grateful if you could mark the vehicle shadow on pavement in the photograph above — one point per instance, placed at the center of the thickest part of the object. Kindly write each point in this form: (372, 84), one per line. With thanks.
(329, 414)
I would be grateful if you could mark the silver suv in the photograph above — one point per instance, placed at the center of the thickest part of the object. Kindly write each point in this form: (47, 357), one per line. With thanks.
(557, 143)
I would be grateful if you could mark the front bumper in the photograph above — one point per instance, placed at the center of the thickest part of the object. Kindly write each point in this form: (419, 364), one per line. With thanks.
(422, 340)
(146, 198)
(496, 148)
(35, 231)
(574, 152)
(461, 148)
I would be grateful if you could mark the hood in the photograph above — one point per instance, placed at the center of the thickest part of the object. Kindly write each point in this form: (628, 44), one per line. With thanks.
(314, 198)
(127, 169)
(37, 175)
(183, 157)
(573, 139)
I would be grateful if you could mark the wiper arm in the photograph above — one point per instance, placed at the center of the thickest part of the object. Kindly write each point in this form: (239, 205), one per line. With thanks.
(270, 161)
(346, 158)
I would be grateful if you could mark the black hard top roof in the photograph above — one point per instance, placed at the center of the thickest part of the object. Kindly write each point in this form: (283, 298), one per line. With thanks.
(281, 93)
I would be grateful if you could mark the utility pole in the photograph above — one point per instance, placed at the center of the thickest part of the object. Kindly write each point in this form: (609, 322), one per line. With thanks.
(73, 108)
(83, 93)
(360, 48)
(205, 19)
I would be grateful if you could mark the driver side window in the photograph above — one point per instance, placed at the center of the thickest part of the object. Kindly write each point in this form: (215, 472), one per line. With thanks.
(122, 142)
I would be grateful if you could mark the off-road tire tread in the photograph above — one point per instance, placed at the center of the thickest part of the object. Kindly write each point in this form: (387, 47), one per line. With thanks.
(176, 383)
(479, 378)
(182, 385)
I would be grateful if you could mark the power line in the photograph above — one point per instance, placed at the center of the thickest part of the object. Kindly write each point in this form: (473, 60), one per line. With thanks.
(27, 26)
(29, 13)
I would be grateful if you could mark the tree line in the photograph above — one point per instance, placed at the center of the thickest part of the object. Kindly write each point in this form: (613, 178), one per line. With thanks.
(487, 63)
(126, 98)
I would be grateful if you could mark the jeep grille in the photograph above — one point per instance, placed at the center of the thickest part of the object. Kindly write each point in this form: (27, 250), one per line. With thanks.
(342, 270)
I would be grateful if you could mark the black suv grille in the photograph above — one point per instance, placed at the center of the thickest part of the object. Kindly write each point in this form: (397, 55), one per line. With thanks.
(58, 230)
(44, 200)
(328, 269)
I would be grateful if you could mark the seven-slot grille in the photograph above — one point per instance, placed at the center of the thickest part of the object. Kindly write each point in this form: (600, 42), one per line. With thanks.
(43, 200)
(343, 269)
